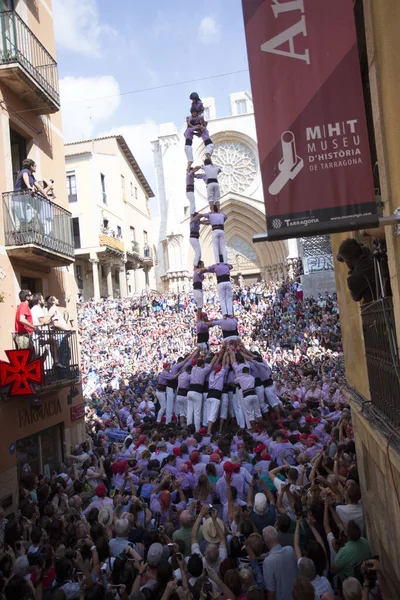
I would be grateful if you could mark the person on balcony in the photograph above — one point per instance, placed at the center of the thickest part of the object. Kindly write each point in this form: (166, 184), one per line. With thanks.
(368, 280)
(24, 326)
(58, 323)
(42, 337)
(26, 180)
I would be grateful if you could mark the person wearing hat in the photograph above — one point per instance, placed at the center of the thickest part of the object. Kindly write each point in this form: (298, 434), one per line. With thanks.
(213, 532)
(156, 554)
(197, 104)
(101, 501)
(232, 477)
(160, 452)
(283, 451)
(161, 500)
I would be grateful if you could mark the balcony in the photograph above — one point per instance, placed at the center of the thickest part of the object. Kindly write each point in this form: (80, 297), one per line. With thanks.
(34, 226)
(59, 348)
(111, 241)
(134, 249)
(25, 65)
(382, 357)
(148, 256)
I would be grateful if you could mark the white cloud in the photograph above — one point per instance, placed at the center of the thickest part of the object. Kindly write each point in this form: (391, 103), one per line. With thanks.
(78, 27)
(139, 137)
(209, 31)
(100, 101)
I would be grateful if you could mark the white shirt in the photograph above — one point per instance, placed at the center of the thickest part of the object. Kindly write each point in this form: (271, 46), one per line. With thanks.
(321, 586)
(352, 512)
(37, 314)
(211, 172)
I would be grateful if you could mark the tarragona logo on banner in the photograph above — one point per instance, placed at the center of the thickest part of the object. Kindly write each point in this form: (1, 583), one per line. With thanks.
(309, 109)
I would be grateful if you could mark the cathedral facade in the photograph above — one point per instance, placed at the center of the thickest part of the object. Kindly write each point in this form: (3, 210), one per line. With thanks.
(235, 141)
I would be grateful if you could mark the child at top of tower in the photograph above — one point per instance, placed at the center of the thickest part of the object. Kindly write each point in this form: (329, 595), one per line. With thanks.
(197, 104)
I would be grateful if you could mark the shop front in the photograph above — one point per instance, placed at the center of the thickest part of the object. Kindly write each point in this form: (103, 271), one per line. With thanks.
(33, 437)
(40, 453)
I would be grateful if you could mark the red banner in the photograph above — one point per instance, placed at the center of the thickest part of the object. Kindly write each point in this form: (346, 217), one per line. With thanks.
(77, 412)
(310, 117)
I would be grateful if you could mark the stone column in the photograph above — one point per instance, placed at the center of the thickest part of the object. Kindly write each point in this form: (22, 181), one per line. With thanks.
(146, 278)
(110, 291)
(96, 283)
(135, 280)
(122, 281)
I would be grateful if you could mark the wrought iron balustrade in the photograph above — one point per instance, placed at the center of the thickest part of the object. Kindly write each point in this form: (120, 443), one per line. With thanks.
(19, 45)
(59, 350)
(32, 219)
(135, 247)
(382, 357)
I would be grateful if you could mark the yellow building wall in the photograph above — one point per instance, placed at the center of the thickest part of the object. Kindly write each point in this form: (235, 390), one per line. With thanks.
(350, 320)
(382, 20)
(45, 145)
(380, 500)
(379, 467)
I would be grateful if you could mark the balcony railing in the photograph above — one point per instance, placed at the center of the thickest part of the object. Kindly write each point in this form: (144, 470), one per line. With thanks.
(59, 350)
(111, 241)
(135, 247)
(382, 357)
(147, 254)
(30, 219)
(19, 45)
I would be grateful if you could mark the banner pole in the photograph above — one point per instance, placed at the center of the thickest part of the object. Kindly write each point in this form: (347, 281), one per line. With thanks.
(381, 222)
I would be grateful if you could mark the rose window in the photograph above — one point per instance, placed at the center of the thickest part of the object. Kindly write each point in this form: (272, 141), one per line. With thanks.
(238, 164)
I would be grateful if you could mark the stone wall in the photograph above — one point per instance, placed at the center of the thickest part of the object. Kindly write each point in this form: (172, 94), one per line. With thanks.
(381, 493)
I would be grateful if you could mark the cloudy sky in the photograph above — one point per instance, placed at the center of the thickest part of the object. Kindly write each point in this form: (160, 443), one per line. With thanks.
(105, 50)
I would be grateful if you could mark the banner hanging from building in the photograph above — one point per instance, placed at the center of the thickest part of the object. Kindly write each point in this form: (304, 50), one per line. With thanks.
(310, 117)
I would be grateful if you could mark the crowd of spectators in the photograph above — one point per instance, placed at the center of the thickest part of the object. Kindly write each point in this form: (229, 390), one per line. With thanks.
(143, 509)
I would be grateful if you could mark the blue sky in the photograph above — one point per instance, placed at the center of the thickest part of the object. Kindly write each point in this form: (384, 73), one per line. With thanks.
(105, 48)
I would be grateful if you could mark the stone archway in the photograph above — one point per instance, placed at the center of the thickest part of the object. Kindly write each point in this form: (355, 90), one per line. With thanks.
(243, 221)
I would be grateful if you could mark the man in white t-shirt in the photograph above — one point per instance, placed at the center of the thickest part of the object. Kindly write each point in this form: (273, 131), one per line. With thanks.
(39, 316)
(353, 510)
(55, 315)
(292, 476)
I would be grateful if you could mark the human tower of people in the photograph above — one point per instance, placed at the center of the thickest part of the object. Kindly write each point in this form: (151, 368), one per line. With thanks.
(204, 388)
(152, 506)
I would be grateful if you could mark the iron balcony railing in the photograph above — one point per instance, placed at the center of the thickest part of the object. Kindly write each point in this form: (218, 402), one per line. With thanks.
(32, 219)
(147, 252)
(19, 44)
(59, 350)
(382, 357)
(135, 247)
